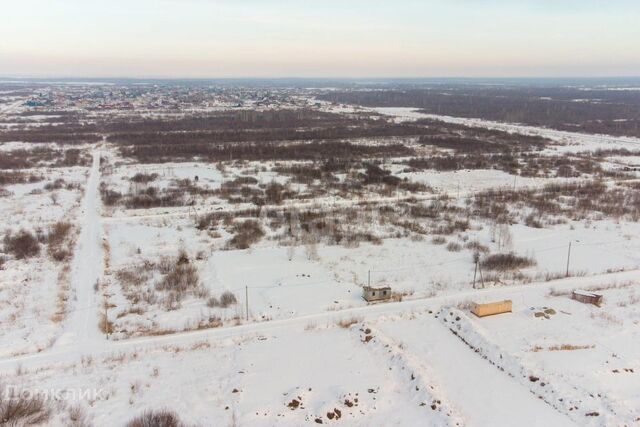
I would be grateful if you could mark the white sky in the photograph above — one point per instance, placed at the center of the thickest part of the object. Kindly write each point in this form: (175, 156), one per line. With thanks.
(321, 38)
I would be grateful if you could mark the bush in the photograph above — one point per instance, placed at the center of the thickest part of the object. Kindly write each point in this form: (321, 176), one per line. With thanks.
(21, 245)
(181, 278)
(476, 246)
(55, 238)
(144, 178)
(438, 240)
(22, 409)
(454, 247)
(503, 262)
(247, 233)
(158, 418)
(227, 299)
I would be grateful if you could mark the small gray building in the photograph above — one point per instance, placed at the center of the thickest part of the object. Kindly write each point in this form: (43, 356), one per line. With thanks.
(371, 294)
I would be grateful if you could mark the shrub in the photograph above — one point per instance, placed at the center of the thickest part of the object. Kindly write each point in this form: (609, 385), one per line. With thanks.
(181, 278)
(55, 239)
(247, 233)
(158, 418)
(58, 232)
(438, 240)
(78, 417)
(227, 299)
(476, 246)
(144, 178)
(55, 185)
(21, 245)
(454, 247)
(22, 409)
(503, 262)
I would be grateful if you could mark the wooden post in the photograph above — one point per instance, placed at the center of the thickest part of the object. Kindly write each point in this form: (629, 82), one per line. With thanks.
(481, 278)
(568, 258)
(246, 298)
(369, 278)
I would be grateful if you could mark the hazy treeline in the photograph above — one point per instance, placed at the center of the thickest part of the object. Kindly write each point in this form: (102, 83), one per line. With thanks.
(594, 111)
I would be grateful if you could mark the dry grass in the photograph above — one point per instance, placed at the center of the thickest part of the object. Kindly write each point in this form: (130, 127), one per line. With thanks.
(22, 409)
(562, 347)
(62, 297)
(78, 417)
(347, 323)
(56, 239)
(105, 325)
(157, 418)
(181, 277)
(608, 318)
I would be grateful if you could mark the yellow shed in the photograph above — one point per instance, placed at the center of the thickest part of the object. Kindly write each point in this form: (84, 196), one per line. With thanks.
(491, 308)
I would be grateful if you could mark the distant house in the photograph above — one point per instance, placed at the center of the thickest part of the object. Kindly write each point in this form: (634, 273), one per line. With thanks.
(371, 294)
(587, 297)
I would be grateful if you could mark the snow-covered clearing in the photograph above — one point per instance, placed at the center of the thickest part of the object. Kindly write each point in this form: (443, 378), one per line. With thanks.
(483, 395)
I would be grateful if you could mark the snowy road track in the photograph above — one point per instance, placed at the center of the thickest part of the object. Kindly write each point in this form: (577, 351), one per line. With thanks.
(100, 347)
(81, 330)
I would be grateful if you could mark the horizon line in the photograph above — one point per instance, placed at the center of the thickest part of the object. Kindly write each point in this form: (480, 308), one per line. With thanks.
(302, 78)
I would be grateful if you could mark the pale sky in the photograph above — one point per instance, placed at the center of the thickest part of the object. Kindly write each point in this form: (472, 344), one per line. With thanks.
(319, 38)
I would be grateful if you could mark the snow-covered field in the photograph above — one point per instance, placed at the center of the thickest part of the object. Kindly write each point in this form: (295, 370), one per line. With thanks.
(166, 307)
(31, 309)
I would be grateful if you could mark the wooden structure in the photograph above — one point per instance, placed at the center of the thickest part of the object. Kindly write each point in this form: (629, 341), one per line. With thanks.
(587, 297)
(491, 308)
(376, 294)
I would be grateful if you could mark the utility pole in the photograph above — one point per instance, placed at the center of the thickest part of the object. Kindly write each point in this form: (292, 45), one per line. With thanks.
(475, 271)
(568, 258)
(246, 299)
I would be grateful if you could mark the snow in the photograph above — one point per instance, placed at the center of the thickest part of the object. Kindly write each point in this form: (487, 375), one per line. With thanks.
(308, 335)
(82, 328)
(485, 396)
